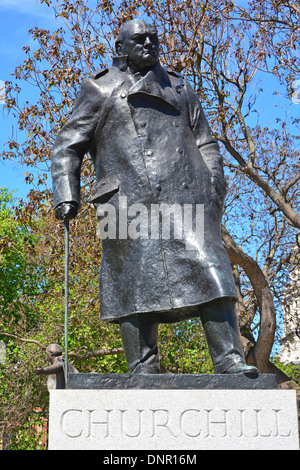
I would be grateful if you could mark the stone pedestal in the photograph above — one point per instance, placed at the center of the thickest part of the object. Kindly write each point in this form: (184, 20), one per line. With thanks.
(168, 412)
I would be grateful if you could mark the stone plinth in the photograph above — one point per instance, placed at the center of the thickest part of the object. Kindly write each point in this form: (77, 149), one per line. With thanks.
(137, 416)
(172, 381)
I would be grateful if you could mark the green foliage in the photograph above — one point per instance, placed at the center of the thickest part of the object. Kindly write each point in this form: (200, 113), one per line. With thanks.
(291, 370)
(24, 406)
(21, 282)
(183, 348)
(20, 279)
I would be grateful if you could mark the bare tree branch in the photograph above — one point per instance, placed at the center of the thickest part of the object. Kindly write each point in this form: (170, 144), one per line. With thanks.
(262, 349)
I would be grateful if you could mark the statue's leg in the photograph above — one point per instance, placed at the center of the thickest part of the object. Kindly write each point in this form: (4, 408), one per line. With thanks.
(221, 329)
(140, 337)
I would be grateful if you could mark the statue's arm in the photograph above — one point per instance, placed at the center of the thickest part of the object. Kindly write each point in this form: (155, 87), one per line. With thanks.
(72, 143)
(208, 146)
(53, 369)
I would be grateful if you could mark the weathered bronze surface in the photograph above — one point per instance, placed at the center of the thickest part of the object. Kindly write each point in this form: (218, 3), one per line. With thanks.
(55, 372)
(151, 144)
(173, 381)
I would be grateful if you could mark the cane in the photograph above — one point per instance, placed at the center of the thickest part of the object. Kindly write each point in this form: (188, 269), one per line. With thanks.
(66, 225)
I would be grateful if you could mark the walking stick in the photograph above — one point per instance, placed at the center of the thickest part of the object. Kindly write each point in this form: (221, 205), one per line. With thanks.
(66, 224)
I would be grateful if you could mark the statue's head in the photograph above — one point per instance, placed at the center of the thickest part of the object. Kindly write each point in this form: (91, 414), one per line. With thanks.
(52, 351)
(138, 40)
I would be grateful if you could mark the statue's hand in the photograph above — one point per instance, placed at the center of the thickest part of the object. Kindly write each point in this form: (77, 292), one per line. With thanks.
(38, 371)
(66, 211)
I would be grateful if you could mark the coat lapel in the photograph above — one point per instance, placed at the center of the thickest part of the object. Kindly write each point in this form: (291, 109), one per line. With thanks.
(156, 83)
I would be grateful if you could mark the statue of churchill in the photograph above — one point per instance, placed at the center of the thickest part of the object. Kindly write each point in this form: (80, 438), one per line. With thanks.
(151, 145)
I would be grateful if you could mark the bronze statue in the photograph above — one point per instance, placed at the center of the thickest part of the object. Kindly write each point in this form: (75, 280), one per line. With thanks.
(152, 148)
(55, 372)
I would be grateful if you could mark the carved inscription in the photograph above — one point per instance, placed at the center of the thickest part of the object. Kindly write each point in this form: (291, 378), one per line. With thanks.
(193, 423)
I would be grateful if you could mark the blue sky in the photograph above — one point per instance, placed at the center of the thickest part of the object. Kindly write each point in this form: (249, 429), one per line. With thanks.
(17, 17)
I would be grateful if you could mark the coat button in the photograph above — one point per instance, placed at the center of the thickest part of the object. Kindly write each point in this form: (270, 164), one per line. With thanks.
(143, 124)
(149, 152)
(123, 94)
(179, 150)
(158, 187)
(185, 185)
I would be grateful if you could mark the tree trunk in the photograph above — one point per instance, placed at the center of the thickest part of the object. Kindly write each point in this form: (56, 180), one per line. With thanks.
(260, 352)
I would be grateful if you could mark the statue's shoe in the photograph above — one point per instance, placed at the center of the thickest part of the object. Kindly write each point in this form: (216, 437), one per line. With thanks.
(241, 368)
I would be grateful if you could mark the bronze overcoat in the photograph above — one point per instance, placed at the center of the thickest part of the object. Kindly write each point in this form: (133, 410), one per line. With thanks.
(151, 145)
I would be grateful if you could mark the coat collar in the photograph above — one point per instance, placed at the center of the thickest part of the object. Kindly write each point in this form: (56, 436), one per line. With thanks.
(155, 83)
(120, 61)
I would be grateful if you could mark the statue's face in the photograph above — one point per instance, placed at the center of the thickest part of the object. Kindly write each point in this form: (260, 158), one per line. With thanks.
(49, 356)
(141, 45)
